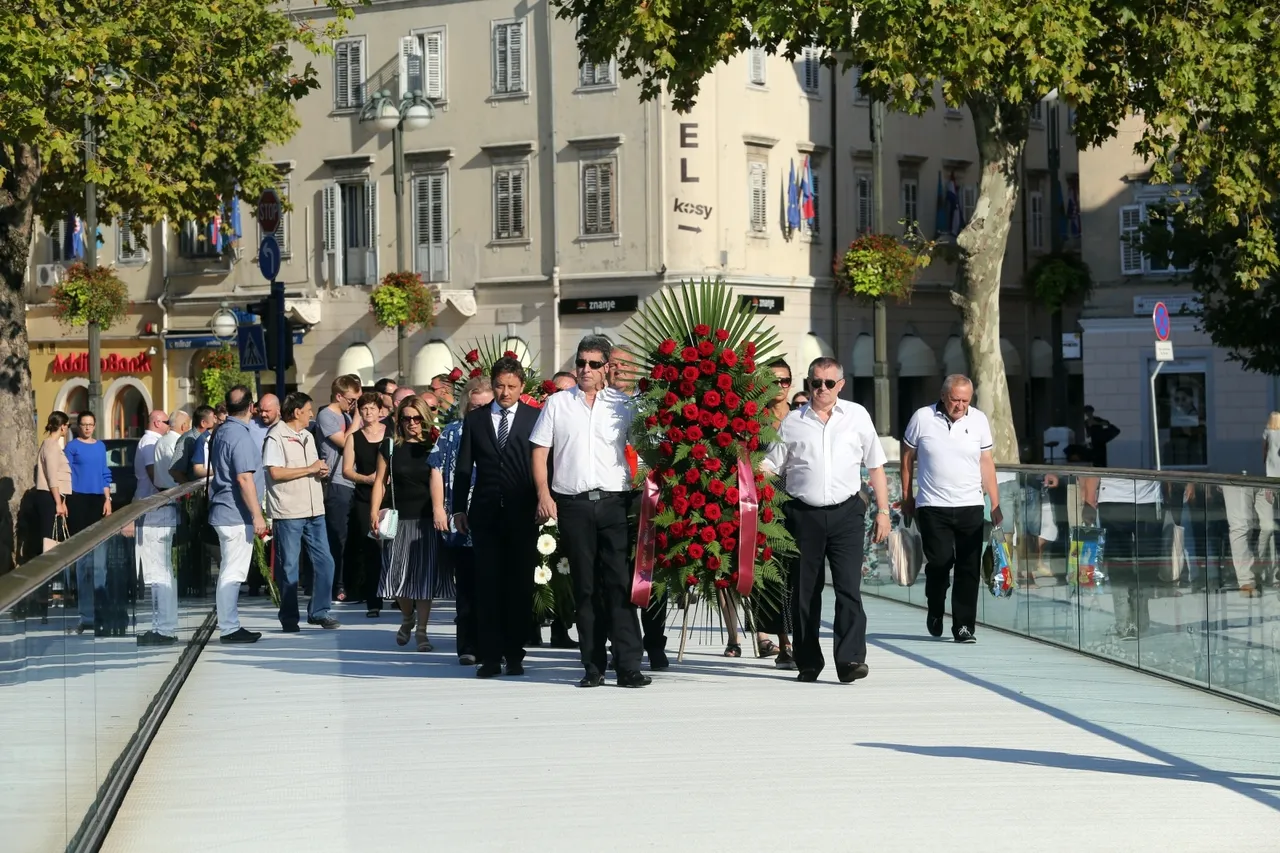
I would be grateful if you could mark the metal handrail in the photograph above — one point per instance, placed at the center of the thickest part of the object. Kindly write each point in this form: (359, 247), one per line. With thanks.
(1179, 477)
(31, 575)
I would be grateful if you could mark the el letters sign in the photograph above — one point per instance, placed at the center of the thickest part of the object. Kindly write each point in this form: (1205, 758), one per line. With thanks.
(113, 363)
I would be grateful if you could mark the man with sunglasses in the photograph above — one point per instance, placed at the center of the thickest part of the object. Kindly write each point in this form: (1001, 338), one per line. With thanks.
(821, 451)
(155, 536)
(952, 443)
(584, 432)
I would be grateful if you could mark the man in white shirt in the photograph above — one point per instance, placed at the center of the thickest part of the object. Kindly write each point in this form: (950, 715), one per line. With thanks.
(1131, 515)
(584, 431)
(821, 451)
(167, 449)
(155, 536)
(952, 442)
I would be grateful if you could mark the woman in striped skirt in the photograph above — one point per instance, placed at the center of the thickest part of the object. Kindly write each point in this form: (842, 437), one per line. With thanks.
(409, 475)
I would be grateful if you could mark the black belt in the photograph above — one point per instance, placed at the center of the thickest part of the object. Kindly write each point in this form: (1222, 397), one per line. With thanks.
(842, 503)
(593, 495)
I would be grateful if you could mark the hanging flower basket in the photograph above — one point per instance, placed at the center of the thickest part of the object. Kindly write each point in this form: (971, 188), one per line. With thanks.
(1059, 279)
(219, 373)
(91, 295)
(402, 299)
(709, 520)
(880, 265)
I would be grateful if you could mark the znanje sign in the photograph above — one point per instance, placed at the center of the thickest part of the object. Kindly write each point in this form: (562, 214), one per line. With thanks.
(113, 363)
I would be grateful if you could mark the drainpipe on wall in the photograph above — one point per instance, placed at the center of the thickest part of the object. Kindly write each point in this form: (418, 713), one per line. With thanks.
(555, 209)
(164, 315)
(834, 207)
(660, 107)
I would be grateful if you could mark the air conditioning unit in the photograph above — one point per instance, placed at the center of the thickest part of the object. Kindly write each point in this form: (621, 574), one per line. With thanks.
(48, 275)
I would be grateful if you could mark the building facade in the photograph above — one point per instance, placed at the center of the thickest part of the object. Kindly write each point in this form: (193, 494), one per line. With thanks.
(546, 202)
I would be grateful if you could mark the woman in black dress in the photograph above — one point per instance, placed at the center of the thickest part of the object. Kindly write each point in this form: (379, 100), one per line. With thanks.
(416, 486)
(359, 465)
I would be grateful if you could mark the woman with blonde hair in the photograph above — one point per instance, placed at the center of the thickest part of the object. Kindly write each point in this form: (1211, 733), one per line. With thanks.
(409, 476)
(53, 478)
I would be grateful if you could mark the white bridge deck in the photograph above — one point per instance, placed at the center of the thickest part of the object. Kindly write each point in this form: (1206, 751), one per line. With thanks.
(340, 740)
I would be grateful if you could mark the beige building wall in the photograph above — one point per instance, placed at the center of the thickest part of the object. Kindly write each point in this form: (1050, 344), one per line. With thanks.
(765, 112)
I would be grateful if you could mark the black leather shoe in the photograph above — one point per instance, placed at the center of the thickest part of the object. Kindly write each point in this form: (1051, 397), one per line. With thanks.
(516, 668)
(466, 660)
(591, 679)
(851, 672)
(488, 670)
(934, 624)
(633, 678)
(807, 675)
(241, 635)
(658, 659)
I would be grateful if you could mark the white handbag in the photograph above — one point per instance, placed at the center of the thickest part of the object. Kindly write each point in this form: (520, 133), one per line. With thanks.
(389, 519)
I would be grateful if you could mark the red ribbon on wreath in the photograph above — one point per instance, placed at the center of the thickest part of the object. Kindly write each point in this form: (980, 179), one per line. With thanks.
(748, 510)
(646, 543)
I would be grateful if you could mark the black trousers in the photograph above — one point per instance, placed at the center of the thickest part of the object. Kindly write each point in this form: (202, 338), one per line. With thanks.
(464, 573)
(832, 533)
(505, 546)
(365, 552)
(337, 522)
(594, 538)
(952, 538)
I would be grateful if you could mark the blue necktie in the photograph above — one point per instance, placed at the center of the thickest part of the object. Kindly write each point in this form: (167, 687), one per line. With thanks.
(503, 429)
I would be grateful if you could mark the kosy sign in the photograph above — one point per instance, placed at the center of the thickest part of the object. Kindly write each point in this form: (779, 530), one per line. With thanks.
(269, 211)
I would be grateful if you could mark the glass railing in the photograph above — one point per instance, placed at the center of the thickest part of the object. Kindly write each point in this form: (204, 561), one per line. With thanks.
(94, 638)
(1175, 574)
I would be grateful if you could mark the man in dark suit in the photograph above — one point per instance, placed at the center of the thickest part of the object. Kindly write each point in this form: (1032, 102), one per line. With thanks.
(501, 516)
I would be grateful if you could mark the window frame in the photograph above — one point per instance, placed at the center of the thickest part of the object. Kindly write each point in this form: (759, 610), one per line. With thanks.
(505, 24)
(596, 160)
(863, 179)
(138, 255)
(441, 172)
(342, 104)
(1143, 209)
(520, 167)
(758, 227)
(1035, 220)
(911, 224)
(811, 64)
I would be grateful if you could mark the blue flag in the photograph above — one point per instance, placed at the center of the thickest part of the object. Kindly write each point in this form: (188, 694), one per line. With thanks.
(793, 199)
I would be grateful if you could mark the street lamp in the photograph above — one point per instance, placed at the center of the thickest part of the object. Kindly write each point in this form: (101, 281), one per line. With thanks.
(111, 78)
(414, 112)
(224, 324)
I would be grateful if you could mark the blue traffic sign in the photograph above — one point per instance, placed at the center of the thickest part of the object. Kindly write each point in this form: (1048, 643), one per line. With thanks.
(253, 348)
(1160, 319)
(269, 257)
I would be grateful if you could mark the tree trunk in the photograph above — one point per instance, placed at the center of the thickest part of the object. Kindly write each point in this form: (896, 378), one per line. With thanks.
(978, 277)
(18, 192)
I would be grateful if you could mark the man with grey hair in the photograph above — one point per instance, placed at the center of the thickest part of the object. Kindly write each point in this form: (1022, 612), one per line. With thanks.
(952, 443)
(821, 451)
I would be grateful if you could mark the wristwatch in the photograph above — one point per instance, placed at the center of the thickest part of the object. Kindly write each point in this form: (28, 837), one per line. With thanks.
(882, 512)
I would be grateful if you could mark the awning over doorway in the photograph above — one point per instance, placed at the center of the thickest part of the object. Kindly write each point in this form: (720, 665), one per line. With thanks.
(357, 359)
(864, 357)
(953, 360)
(916, 358)
(812, 347)
(1012, 361)
(431, 360)
(1041, 359)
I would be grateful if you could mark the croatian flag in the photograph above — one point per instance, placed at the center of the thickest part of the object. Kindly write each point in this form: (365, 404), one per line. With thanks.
(793, 199)
(807, 207)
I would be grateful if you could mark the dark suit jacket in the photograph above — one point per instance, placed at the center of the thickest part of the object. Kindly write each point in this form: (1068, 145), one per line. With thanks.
(504, 478)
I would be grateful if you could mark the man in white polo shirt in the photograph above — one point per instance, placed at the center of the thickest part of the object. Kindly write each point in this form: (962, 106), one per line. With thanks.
(821, 450)
(952, 443)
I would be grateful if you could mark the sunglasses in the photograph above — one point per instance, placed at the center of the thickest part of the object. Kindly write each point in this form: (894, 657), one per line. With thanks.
(591, 363)
(785, 383)
(411, 419)
(795, 406)
(823, 383)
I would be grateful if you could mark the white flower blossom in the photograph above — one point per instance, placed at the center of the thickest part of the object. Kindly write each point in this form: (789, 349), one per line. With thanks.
(546, 544)
(550, 522)
(542, 575)
(563, 566)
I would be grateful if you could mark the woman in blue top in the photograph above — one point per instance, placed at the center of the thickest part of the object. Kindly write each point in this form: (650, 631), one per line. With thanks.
(89, 501)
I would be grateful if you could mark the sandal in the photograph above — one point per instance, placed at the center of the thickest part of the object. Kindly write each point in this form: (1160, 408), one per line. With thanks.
(402, 635)
(733, 650)
(424, 645)
(768, 648)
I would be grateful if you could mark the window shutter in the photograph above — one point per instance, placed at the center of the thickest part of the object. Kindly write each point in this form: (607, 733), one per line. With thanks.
(607, 220)
(341, 75)
(757, 60)
(758, 199)
(1130, 250)
(282, 230)
(911, 204)
(517, 203)
(58, 232)
(815, 226)
(434, 74)
(372, 224)
(812, 63)
(515, 47)
(856, 74)
(1036, 205)
(591, 199)
(500, 78)
(410, 65)
(970, 202)
(866, 214)
(355, 73)
(187, 237)
(329, 217)
(439, 234)
(502, 205)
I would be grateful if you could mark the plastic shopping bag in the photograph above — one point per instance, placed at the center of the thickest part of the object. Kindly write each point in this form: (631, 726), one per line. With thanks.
(997, 566)
(1084, 566)
(906, 553)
